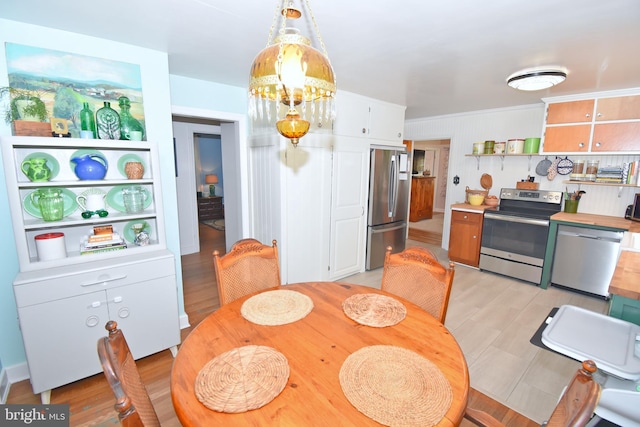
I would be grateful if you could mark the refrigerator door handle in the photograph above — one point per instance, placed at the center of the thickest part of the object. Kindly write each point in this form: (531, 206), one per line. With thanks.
(385, 229)
(393, 186)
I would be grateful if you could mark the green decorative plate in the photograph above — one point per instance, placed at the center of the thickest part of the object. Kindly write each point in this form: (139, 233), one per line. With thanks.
(129, 158)
(68, 196)
(128, 233)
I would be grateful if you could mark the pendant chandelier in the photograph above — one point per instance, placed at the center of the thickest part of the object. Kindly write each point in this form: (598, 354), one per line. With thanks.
(292, 82)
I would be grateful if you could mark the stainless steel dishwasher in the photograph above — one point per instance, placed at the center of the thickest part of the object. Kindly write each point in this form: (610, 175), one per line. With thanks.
(585, 258)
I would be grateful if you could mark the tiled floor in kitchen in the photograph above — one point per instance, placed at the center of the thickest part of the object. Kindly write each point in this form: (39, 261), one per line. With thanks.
(493, 318)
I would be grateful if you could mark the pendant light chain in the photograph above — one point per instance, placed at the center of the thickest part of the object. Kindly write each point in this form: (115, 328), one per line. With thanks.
(315, 26)
(279, 8)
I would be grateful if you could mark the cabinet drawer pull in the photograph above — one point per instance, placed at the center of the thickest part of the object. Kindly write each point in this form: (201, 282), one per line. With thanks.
(117, 299)
(96, 304)
(92, 321)
(104, 281)
(598, 144)
(581, 145)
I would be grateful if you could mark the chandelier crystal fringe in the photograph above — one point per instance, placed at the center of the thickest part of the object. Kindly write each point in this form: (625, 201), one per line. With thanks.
(289, 71)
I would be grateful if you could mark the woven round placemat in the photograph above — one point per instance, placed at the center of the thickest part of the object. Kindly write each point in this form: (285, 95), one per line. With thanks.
(242, 379)
(395, 386)
(374, 310)
(277, 307)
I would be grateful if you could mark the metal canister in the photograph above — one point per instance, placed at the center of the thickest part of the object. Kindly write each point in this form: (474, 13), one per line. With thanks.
(488, 147)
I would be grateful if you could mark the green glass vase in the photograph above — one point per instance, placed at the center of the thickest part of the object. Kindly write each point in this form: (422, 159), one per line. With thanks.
(107, 122)
(130, 127)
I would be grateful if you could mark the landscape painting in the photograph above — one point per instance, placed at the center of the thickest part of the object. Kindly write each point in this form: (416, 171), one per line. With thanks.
(64, 81)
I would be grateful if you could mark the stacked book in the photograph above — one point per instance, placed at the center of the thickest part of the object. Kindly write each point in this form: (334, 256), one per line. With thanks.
(103, 239)
(631, 172)
(610, 174)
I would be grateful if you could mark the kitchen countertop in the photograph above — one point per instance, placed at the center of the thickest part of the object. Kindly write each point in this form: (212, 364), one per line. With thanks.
(626, 277)
(466, 207)
(597, 220)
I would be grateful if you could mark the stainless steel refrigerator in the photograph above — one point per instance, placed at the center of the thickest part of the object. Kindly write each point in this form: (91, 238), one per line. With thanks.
(389, 183)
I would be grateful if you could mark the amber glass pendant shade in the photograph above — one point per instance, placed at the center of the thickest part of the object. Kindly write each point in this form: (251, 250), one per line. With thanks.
(291, 82)
(293, 127)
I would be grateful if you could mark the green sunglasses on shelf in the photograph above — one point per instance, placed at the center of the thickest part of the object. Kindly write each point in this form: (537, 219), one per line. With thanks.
(88, 214)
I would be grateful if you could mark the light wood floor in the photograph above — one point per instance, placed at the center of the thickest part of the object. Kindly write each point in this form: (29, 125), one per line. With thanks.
(428, 230)
(470, 311)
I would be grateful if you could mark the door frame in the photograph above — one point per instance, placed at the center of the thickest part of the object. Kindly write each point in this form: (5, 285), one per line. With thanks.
(233, 133)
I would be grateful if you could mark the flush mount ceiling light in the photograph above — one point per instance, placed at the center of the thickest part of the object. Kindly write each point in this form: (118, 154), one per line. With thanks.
(289, 71)
(536, 79)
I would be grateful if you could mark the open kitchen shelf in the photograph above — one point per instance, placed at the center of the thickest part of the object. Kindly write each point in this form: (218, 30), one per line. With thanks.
(605, 184)
(502, 156)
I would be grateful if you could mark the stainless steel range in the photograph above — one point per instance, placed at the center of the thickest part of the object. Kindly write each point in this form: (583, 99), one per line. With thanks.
(514, 236)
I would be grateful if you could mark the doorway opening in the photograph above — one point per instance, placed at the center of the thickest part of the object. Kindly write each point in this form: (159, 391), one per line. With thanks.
(431, 158)
(188, 125)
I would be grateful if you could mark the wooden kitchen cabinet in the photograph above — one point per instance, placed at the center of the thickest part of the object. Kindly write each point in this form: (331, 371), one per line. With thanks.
(422, 193)
(597, 125)
(618, 108)
(567, 138)
(210, 208)
(570, 112)
(465, 236)
(616, 137)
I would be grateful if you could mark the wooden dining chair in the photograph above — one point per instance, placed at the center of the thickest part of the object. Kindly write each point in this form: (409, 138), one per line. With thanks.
(133, 404)
(574, 409)
(248, 267)
(416, 275)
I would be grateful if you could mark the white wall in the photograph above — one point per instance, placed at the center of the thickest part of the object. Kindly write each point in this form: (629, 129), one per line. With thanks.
(501, 125)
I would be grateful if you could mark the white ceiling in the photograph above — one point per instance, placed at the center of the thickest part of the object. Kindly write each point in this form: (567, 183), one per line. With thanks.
(436, 58)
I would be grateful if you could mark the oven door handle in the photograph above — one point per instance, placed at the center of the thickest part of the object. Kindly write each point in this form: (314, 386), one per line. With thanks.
(518, 219)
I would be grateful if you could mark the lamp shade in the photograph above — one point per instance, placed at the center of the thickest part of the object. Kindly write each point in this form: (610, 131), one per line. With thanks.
(211, 179)
(292, 83)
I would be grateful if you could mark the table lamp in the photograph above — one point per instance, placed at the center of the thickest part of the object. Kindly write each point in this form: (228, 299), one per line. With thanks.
(211, 180)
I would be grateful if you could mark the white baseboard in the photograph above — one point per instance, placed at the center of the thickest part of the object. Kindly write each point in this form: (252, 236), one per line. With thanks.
(4, 386)
(11, 375)
(19, 372)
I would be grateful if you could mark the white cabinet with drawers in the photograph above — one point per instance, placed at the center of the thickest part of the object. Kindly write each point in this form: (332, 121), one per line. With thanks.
(64, 302)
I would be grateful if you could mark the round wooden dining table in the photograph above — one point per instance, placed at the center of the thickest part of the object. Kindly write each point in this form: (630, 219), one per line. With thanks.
(316, 347)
